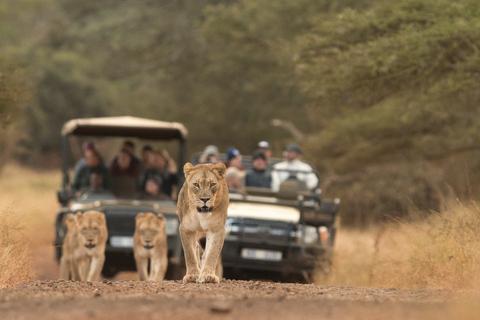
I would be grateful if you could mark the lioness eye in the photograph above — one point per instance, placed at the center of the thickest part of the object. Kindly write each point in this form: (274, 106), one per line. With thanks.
(212, 185)
(196, 185)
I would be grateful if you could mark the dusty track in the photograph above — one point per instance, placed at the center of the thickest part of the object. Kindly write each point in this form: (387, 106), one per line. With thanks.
(227, 300)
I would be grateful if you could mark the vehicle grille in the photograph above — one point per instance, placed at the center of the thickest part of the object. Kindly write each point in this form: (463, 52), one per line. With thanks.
(260, 229)
(122, 220)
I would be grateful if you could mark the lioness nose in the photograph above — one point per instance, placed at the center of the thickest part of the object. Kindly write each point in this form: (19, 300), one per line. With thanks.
(205, 199)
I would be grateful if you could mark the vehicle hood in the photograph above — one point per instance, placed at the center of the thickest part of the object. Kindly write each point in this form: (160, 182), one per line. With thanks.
(263, 212)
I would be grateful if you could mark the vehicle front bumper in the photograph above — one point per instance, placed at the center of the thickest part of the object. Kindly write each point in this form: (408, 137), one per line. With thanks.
(295, 258)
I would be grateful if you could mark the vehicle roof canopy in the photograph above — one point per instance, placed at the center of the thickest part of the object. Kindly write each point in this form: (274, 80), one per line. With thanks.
(126, 126)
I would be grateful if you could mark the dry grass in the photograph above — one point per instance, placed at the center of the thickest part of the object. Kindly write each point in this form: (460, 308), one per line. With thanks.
(14, 254)
(27, 210)
(31, 194)
(439, 251)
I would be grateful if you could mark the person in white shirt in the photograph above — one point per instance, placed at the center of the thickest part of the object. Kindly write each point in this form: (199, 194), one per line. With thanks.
(293, 168)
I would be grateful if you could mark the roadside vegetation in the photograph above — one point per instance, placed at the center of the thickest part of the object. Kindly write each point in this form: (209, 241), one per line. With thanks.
(384, 93)
(438, 250)
(14, 250)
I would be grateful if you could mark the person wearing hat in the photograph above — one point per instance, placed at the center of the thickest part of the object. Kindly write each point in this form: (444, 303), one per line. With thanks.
(209, 155)
(293, 168)
(264, 146)
(259, 176)
(234, 159)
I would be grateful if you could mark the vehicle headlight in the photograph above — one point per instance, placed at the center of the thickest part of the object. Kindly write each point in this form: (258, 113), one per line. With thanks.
(172, 226)
(310, 234)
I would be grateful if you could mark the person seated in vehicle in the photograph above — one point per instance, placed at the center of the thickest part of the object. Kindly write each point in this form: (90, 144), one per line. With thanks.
(209, 155)
(96, 188)
(293, 168)
(153, 189)
(234, 159)
(259, 176)
(83, 161)
(125, 173)
(125, 165)
(129, 147)
(264, 146)
(93, 164)
(235, 180)
(165, 168)
(148, 157)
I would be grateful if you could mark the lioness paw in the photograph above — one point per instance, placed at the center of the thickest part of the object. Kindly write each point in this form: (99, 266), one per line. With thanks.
(190, 278)
(209, 278)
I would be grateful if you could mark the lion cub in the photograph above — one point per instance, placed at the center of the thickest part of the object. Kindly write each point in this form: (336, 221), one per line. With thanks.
(89, 245)
(202, 208)
(150, 242)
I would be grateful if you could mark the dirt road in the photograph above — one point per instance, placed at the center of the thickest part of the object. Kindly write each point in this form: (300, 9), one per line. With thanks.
(230, 299)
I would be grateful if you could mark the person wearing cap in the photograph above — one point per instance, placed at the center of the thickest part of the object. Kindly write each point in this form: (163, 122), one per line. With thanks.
(293, 168)
(234, 159)
(209, 155)
(259, 176)
(264, 146)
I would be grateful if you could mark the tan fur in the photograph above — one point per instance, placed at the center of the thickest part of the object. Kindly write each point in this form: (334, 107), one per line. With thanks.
(207, 182)
(69, 244)
(89, 246)
(150, 242)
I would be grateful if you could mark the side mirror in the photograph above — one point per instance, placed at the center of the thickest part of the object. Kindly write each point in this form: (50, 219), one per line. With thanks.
(63, 196)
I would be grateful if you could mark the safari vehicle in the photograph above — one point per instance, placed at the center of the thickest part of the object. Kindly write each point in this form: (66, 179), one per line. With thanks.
(286, 235)
(120, 207)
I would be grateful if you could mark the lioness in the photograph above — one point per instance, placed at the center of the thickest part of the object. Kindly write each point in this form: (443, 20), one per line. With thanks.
(202, 207)
(89, 252)
(69, 243)
(150, 242)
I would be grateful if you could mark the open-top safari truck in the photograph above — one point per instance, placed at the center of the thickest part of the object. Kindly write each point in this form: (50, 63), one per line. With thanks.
(120, 206)
(286, 235)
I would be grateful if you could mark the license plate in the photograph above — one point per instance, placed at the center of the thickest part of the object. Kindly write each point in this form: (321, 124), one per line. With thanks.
(121, 242)
(258, 254)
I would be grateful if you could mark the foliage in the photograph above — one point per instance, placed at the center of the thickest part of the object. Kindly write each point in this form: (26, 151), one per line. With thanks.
(371, 84)
(389, 77)
(13, 93)
(392, 84)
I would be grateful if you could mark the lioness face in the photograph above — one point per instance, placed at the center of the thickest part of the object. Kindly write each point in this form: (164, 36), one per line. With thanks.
(91, 226)
(203, 183)
(150, 228)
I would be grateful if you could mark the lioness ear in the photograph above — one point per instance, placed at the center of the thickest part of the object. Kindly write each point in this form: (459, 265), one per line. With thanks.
(187, 168)
(79, 216)
(140, 215)
(161, 217)
(220, 168)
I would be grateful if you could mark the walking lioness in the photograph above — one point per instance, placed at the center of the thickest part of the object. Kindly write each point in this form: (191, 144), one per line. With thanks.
(89, 248)
(150, 242)
(203, 207)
